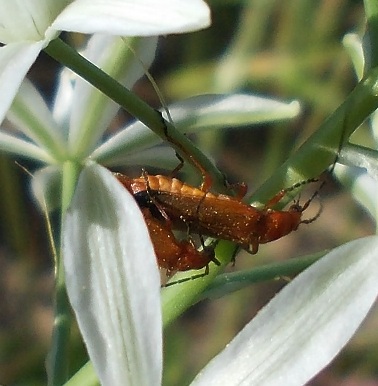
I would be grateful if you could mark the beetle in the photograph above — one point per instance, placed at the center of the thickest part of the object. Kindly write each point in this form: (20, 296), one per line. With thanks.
(216, 215)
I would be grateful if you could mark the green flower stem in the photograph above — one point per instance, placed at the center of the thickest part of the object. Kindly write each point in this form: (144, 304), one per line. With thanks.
(67, 56)
(230, 282)
(58, 358)
(71, 171)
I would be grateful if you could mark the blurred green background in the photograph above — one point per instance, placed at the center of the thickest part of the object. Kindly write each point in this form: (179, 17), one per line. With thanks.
(289, 50)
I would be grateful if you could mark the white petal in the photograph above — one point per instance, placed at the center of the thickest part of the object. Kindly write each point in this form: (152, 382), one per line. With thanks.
(15, 61)
(112, 55)
(134, 18)
(113, 281)
(302, 329)
(27, 20)
(362, 185)
(19, 147)
(132, 139)
(63, 100)
(219, 111)
(194, 114)
(46, 186)
(33, 118)
(352, 42)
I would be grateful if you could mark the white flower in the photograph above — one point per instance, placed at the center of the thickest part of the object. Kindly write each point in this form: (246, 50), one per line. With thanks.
(27, 27)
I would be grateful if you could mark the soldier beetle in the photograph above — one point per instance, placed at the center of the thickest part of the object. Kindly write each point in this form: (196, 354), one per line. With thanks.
(168, 203)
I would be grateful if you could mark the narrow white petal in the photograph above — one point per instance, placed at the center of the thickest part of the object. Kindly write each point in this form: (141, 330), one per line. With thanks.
(92, 110)
(194, 114)
(352, 42)
(63, 99)
(15, 61)
(20, 147)
(33, 118)
(134, 18)
(361, 184)
(46, 186)
(219, 111)
(113, 281)
(302, 329)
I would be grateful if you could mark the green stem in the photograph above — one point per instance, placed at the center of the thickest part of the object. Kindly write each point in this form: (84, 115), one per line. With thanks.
(230, 282)
(67, 56)
(58, 358)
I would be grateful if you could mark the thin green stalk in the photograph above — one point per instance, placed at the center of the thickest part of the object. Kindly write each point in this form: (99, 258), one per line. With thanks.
(230, 282)
(70, 58)
(58, 358)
